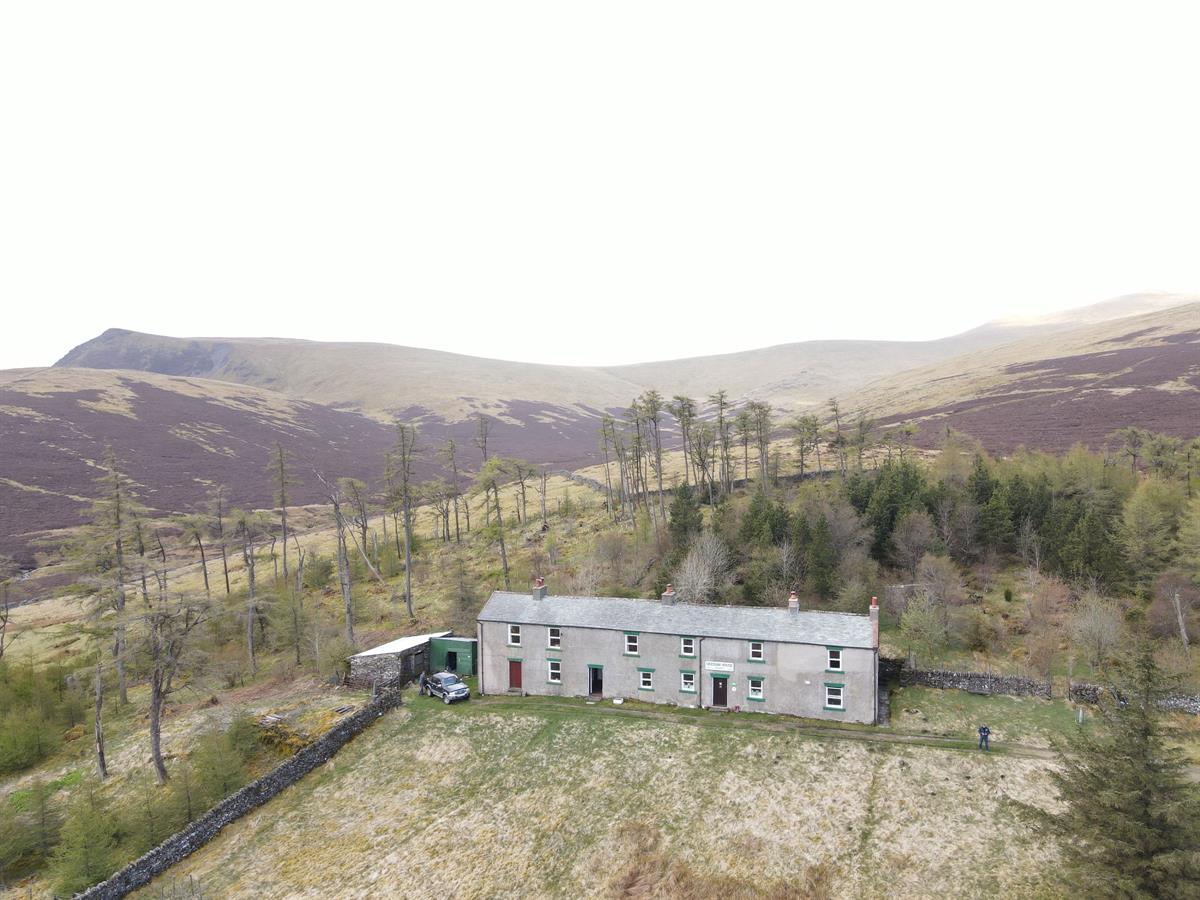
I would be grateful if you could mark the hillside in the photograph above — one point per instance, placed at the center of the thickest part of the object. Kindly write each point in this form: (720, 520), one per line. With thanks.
(187, 414)
(176, 437)
(1051, 392)
(386, 380)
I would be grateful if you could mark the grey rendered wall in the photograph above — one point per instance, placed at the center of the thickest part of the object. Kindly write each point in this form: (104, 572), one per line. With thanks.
(794, 674)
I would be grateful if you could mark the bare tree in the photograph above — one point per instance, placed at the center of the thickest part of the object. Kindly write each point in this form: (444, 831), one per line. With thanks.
(494, 473)
(281, 472)
(169, 624)
(911, 539)
(684, 410)
(705, 571)
(449, 454)
(1097, 629)
(217, 505)
(837, 440)
(249, 526)
(98, 723)
(8, 569)
(403, 456)
(807, 431)
(744, 426)
(191, 531)
(720, 400)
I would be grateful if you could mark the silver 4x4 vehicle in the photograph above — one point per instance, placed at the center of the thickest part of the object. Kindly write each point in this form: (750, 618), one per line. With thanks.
(446, 685)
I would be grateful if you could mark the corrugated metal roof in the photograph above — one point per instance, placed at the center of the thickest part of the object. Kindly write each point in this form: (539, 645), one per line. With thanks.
(737, 622)
(401, 644)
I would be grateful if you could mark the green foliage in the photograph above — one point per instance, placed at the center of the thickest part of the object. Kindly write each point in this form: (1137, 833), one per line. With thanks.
(898, 487)
(36, 706)
(923, 629)
(318, 570)
(686, 519)
(28, 830)
(764, 523)
(87, 849)
(821, 560)
(1130, 821)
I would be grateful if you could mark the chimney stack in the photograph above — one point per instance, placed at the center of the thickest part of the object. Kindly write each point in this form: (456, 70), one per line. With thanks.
(539, 588)
(668, 596)
(793, 603)
(875, 621)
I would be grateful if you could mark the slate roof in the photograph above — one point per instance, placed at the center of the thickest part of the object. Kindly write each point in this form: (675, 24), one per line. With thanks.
(752, 623)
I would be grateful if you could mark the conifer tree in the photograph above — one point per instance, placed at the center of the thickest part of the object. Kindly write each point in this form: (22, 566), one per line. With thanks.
(1129, 825)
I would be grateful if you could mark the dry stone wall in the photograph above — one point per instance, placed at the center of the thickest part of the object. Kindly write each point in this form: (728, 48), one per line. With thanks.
(181, 844)
(977, 682)
(1091, 694)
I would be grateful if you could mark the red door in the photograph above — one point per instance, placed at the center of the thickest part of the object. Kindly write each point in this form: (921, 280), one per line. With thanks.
(514, 674)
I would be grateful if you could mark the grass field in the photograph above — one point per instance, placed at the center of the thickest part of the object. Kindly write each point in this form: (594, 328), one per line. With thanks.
(507, 798)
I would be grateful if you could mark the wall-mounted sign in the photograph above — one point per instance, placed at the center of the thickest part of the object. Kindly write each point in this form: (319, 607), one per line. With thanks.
(713, 665)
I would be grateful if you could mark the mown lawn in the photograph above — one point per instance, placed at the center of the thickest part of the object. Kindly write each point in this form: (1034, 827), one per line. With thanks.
(504, 799)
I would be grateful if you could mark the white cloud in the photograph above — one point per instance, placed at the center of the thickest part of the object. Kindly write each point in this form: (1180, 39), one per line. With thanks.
(587, 183)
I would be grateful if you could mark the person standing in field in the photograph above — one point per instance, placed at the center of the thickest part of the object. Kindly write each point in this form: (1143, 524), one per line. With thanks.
(984, 734)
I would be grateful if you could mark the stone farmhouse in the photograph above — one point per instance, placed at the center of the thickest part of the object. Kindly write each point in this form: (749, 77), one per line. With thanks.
(777, 660)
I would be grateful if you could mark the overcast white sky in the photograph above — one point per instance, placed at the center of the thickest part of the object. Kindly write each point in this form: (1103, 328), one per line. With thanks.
(597, 183)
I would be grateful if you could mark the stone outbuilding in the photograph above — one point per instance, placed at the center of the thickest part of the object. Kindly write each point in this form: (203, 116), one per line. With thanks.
(400, 660)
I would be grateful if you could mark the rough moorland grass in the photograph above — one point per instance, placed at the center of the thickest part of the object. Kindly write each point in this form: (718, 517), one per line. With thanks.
(484, 800)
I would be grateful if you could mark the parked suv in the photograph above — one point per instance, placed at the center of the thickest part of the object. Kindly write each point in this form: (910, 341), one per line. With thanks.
(446, 685)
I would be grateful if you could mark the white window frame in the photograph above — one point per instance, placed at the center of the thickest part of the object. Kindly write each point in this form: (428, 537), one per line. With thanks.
(553, 638)
(762, 651)
(829, 652)
(683, 682)
(645, 680)
(552, 676)
(683, 651)
(754, 693)
(514, 631)
(841, 697)
(631, 640)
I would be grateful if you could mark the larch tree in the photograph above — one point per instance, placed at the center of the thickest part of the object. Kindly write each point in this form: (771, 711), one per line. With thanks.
(169, 622)
(282, 476)
(193, 530)
(449, 455)
(496, 472)
(684, 410)
(218, 508)
(720, 401)
(807, 431)
(403, 456)
(8, 570)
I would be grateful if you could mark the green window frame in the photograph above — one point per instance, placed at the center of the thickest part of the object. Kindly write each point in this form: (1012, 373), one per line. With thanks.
(637, 643)
(683, 689)
(841, 659)
(841, 689)
(762, 688)
(645, 679)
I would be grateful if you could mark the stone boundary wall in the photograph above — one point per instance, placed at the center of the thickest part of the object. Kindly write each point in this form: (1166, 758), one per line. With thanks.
(976, 682)
(185, 842)
(1091, 693)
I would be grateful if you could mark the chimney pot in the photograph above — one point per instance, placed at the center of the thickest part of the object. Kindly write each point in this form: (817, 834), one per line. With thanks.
(539, 588)
(668, 596)
(793, 602)
(874, 613)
